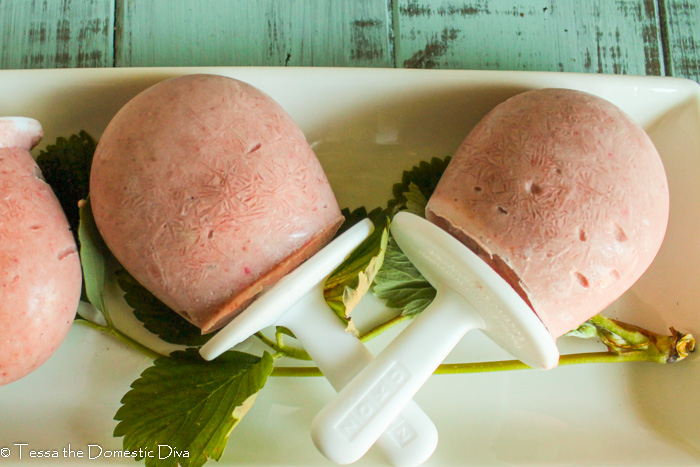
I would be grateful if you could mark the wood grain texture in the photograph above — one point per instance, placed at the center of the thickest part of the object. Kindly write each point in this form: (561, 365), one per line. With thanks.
(56, 33)
(604, 36)
(682, 25)
(601, 36)
(262, 32)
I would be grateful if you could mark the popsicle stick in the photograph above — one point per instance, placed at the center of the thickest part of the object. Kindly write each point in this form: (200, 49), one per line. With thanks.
(297, 302)
(268, 308)
(407, 439)
(346, 429)
(470, 295)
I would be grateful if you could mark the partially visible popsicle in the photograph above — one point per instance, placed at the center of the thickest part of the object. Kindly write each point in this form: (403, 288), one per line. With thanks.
(40, 274)
(563, 200)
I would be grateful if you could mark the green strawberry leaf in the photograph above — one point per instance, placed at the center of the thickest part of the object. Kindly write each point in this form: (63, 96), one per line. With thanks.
(415, 200)
(156, 316)
(350, 281)
(190, 405)
(65, 166)
(425, 176)
(400, 284)
(352, 218)
(95, 257)
(285, 331)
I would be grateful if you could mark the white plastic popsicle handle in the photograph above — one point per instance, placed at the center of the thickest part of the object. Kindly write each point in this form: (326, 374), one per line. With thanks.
(267, 309)
(469, 295)
(297, 302)
(410, 438)
(20, 132)
(367, 406)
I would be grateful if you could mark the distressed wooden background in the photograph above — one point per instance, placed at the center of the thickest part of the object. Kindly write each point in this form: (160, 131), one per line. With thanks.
(639, 37)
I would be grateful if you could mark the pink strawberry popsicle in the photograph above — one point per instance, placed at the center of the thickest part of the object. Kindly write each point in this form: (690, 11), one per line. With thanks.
(564, 195)
(40, 274)
(562, 202)
(206, 190)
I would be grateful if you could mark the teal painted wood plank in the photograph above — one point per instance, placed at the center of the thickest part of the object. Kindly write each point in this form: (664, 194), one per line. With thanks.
(56, 33)
(682, 20)
(264, 32)
(602, 36)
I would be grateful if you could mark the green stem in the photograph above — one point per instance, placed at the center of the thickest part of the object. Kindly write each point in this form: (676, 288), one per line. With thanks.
(296, 371)
(374, 332)
(117, 334)
(633, 337)
(268, 342)
(283, 350)
(570, 359)
(486, 367)
(300, 354)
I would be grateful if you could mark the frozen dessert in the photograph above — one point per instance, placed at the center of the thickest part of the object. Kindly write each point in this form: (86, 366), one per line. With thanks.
(40, 274)
(207, 192)
(564, 195)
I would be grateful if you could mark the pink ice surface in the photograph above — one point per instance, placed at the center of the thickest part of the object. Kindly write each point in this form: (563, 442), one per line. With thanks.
(207, 192)
(40, 275)
(564, 195)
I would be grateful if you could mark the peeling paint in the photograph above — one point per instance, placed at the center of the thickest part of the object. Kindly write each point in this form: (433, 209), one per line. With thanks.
(367, 23)
(367, 40)
(689, 63)
(427, 58)
(92, 28)
(92, 58)
(33, 61)
(414, 9)
(63, 30)
(616, 55)
(50, 33)
(652, 52)
(272, 48)
(464, 10)
(587, 61)
(63, 59)
(683, 42)
(599, 50)
(56, 33)
(38, 33)
(649, 9)
(629, 8)
(645, 14)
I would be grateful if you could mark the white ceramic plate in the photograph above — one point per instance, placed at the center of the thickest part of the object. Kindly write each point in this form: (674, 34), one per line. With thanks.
(367, 126)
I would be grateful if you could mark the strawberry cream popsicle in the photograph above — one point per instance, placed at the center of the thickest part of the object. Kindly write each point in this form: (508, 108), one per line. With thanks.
(40, 274)
(564, 195)
(207, 192)
(562, 202)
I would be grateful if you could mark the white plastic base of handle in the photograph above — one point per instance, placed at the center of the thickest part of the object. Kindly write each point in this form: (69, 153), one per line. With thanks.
(410, 439)
(470, 295)
(19, 132)
(296, 302)
(270, 306)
